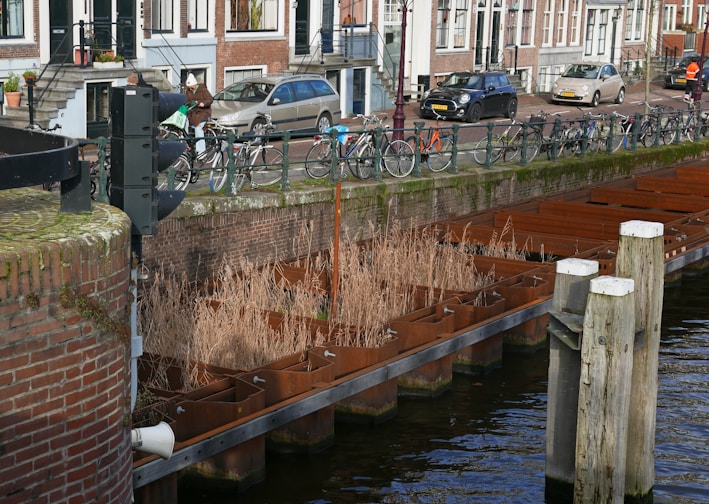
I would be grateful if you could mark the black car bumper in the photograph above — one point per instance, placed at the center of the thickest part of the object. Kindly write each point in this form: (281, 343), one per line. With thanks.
(445, 108)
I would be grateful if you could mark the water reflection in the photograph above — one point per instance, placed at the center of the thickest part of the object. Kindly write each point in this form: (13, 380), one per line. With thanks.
(484, 440)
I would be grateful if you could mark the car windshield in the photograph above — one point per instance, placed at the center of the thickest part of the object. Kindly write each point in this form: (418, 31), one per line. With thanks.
(582, 71)
(245, 92)
(463, 80)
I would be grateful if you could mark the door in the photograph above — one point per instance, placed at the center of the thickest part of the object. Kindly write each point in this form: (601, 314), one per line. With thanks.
(359, 86)
(60, 36)
(97, 109)
(125, 29)
(302, 28)
(103, 33)
(479, 38)
(327, 25)
(495, 38)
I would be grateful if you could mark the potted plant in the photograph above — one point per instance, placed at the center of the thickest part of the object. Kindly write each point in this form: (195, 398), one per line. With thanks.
(108, 60)
(30, 76)
(11, 87)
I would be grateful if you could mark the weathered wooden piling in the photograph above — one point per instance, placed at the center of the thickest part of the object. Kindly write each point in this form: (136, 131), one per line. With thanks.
(604, 399)
(641, 257)
(573, 277)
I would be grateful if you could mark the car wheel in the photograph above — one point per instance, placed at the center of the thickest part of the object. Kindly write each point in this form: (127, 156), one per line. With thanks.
(259, 125)
(324, 122)
(621, 96)
(475, 112)
(596, 99)
(511, 111)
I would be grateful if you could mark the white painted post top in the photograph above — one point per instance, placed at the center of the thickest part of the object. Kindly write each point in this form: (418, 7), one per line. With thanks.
(612, 286)
(577, 267)
(642, 229)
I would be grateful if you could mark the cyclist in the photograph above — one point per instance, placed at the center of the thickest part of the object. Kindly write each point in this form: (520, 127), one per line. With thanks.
(198, 93)
(691, 75)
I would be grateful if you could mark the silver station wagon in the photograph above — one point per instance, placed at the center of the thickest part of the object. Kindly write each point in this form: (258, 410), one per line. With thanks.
(294, 102)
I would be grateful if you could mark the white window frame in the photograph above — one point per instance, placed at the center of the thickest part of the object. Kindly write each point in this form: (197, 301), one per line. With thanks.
(669, 20)
(201, 10)
(243, 70)
(548, 23)
(562, 22)
(701, 16)
(686, 11)
(458, 21)
(277, 18)
(575, 36)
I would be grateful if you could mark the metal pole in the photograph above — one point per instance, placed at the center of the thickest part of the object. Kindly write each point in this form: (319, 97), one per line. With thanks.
(613, 32)
(698, 88)
(399, 115)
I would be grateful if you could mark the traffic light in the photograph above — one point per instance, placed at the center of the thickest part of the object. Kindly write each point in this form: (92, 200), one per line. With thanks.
(137, 156)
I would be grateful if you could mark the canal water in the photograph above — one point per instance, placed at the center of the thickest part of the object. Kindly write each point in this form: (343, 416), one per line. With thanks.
(484, 440)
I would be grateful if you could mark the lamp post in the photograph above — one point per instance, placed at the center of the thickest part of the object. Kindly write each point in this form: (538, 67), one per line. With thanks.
(399, 115)
(616, 16)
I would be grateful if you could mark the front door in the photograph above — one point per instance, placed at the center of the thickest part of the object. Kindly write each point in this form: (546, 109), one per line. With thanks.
(60, 37)
(495, 38)
(125, 30)
(302, 28)
(359, 87)
(103, 33)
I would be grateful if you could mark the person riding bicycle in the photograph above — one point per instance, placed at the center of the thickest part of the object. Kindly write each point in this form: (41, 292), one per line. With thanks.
(691, 75)
(198, 93)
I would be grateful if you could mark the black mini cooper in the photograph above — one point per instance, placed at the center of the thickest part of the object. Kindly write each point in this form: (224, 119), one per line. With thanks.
(471, 96)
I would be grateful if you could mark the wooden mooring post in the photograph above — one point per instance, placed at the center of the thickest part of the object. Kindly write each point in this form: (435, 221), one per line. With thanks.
(602, 400)
(641, 257)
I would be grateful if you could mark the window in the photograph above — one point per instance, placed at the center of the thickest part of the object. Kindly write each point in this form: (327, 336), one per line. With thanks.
(12, 17)
(686, 11)
(669, 20)
(251, 15)
(575, 22)
(162, 15)
(511, 37)
(353, 12)
(602, 25)
(634, 20)
(561, 7)
(391, 12)
(236, 75)
(303, 90)
(590, 25)
(198, 15)
(322, 88)
(548, 13)
(284, 93)
(455, 36)
(527, 13)
(701, 16)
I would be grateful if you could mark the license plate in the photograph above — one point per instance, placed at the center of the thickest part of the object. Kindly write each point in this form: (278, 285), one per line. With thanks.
(681, 80)
(436, 106)
(568, 94)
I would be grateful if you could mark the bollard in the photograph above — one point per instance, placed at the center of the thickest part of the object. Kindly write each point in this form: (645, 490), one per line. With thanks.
(641, 257)
(604, 398)
(573, 277)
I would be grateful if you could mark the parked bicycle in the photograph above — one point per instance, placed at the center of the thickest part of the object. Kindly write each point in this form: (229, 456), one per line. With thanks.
(622, 127)
(255, 160)
(589, 132)
(508, 146)
(437, 150)
(358, 152)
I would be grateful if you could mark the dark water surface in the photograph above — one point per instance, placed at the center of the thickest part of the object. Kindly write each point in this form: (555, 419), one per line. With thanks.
(484, 440)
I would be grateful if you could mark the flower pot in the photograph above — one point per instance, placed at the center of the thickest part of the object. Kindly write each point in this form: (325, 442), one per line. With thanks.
(30, 80)
(12, 98)
(77, 57)
(108, 64)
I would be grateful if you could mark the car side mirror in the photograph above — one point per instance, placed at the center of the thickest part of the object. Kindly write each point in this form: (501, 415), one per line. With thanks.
(491, 88)
(275, 101)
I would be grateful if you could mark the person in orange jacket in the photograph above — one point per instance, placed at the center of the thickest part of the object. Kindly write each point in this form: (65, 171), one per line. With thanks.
(691, 75)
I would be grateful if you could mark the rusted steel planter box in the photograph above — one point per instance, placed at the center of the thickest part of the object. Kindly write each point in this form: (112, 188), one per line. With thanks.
(209, 408)
(293, 275)
(371, 406)
(530, 335)
(172, 370)
(484, 356)
(286, 378)
(418, 328)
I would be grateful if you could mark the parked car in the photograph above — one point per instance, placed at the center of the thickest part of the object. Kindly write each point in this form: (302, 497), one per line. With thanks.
(294, 102)
(676, 76)
(589, 83)
(471, 96)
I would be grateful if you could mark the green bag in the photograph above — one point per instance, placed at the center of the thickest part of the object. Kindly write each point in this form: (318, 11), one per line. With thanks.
(178, 118)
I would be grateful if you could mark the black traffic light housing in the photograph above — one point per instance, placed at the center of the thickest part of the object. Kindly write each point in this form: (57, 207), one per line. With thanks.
(137, 156)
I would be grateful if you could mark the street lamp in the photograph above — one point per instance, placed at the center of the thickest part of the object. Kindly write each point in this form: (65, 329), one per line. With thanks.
(616, 16)
(399, 115)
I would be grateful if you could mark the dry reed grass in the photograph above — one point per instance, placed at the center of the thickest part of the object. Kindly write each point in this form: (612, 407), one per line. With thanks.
(377, 282)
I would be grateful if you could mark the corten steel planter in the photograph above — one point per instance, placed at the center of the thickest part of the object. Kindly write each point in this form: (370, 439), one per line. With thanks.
(422, 296)
(293, 275)
(172, 372)
(418, 328)
(531, 335)
(484, 356)
(209, 408)
(371, 406)
(288, 377)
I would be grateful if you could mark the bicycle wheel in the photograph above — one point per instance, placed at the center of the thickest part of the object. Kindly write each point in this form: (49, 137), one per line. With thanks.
(517, 144)
(182, 174)
(568, 143)
(648, 136)
(690, 128)
(480, 151)
(266, 166)
(363, 160)
(440, 154)
(668, 132)
(618, 137)
(318, 160)
(399, 158)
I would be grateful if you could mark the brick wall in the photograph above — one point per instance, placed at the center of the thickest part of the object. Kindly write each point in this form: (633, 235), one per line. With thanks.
(265, 227)
(64, 371)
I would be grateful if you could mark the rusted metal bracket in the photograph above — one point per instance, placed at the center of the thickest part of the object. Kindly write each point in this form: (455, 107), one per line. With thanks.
(568, 328)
